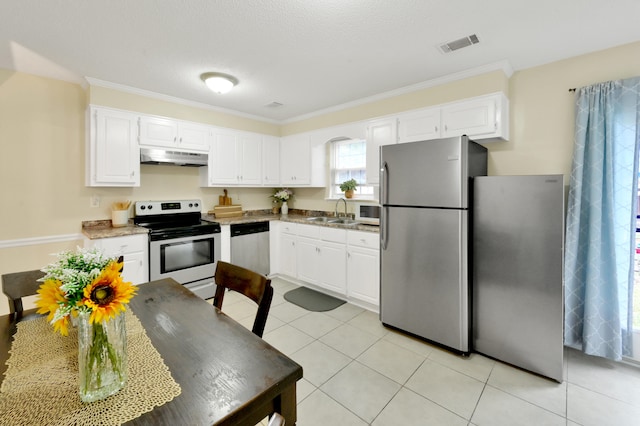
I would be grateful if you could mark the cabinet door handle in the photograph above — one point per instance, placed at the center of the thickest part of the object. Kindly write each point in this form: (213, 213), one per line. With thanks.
(436, 129)
(175, 138)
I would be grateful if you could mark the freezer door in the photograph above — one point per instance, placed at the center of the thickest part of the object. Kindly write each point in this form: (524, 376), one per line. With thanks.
(429, 173)
(518, 261)
(424, 278)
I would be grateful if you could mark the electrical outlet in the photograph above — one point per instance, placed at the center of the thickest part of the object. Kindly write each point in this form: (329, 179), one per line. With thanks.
(94, 201)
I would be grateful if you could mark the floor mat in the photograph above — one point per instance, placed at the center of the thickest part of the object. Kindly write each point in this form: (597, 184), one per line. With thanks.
(312, 300)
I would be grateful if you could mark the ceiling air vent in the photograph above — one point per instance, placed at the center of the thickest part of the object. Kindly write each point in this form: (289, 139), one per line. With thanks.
(274, 105)
(459, 44)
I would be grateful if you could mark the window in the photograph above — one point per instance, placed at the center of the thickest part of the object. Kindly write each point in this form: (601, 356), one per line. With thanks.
(349, 161)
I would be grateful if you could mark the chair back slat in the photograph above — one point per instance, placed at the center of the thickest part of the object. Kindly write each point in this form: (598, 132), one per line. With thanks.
(17, 285)
(251, 284)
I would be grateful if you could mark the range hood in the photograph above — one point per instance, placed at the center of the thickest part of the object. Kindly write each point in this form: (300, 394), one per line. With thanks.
(172, 157)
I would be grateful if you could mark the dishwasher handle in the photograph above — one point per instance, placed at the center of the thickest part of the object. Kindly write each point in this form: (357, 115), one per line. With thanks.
(249, 228)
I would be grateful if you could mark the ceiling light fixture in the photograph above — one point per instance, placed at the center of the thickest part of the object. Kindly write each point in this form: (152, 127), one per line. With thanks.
(218, 82)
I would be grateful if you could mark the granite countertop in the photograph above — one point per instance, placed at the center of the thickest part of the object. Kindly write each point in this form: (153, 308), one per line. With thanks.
(295, 218)
(95, 229)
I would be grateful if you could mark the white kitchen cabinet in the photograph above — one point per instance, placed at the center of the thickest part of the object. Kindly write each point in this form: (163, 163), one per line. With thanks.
(169, 133)
(134, 249)
(379, 132)
(270, 161)
(295, 160)
(322, 261)
(480, 118)
(346, 263)
(235, 158)
(288, 249)
(249, 159)
(363, 267)
(113, 155)
(419, 125)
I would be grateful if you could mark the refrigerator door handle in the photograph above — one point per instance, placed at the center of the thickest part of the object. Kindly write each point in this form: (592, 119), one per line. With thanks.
(384, 187)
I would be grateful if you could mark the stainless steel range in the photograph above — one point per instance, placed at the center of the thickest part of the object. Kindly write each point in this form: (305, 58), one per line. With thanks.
(182, 246)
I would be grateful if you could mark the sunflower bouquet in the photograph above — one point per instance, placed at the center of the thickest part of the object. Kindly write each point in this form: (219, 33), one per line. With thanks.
(87, 285)
(83, 281)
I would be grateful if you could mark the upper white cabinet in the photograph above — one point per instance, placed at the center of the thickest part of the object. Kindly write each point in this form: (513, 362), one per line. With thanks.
(419, 125)
(249, 159)
(235, 159)
(113, 155)
(165, 132)
(295, 160)
(379, 132)
(270, 161)
(479, 118)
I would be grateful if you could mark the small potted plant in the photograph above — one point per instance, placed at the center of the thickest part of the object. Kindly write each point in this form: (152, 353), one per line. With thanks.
(348, 186)
(282, 196)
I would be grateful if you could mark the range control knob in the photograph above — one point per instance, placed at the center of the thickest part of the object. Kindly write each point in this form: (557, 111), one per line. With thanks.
(190, 204)
(149, 206)
(196, 204)
(142, 207)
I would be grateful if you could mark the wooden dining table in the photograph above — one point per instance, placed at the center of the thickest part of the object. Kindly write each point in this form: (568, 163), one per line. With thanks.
(228, 375)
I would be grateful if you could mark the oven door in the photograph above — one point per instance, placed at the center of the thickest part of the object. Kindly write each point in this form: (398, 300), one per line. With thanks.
(189, 260)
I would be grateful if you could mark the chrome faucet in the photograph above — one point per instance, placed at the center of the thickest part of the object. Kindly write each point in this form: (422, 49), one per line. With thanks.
(345, 207)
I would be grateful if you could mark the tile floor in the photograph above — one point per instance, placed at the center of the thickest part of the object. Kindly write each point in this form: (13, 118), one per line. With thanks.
(357, 372)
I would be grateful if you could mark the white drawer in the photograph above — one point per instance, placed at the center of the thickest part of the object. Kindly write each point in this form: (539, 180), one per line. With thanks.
(311, 231)
(333, 234)
(364, 239)
(288, 227)
(122, 245)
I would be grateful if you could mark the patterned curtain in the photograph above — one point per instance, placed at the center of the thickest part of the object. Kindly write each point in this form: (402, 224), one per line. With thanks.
(601, 219)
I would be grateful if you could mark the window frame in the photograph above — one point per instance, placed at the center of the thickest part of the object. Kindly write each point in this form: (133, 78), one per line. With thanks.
(333, 191)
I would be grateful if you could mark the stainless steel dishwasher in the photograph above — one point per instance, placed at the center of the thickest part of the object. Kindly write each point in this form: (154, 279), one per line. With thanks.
(250, 246)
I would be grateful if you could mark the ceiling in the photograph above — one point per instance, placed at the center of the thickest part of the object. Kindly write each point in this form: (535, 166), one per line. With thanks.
(309, 55)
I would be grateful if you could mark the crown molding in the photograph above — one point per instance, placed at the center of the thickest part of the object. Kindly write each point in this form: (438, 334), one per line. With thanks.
(159, 96)
(503, 66)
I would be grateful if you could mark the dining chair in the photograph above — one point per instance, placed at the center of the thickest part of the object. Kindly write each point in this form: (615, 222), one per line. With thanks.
(17, 285)
(253, 285)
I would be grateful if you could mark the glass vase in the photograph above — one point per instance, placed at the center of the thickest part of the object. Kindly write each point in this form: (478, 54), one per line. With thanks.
(102, 357)
(285, 208)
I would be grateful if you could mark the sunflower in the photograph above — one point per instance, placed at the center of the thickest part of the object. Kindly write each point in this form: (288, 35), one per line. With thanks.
(51, 299)
(107, 294)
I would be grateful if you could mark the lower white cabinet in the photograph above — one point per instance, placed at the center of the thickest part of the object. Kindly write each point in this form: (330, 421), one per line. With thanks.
(322, 263)
(134, 249)
(363, 266)
(344, 262)
(288, 253)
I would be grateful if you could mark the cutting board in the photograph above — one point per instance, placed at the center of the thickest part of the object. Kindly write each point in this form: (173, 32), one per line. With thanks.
(226, 211)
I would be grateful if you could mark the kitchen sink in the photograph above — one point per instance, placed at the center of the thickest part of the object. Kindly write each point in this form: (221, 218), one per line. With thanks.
(349, 222)
(320, 219)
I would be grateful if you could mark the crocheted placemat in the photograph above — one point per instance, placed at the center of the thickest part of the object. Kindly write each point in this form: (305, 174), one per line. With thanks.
(41, 381)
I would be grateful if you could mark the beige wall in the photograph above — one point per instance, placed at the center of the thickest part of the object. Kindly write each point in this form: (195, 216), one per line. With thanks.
(133, 102)
(43, 143)
(542, 110)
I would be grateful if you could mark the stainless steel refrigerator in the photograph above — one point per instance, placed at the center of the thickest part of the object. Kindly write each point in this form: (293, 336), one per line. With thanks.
(424, 224)
(518, 262)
